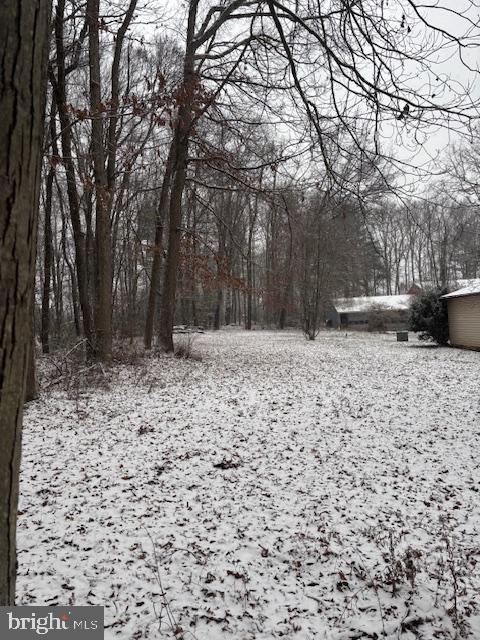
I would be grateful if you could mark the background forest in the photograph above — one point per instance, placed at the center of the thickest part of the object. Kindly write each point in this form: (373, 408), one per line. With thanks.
(264, 222)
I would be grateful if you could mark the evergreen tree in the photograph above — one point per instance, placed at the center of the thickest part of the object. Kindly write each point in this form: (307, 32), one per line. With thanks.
(429, 316)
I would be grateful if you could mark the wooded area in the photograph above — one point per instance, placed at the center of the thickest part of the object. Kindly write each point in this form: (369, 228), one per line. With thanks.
(203, 184)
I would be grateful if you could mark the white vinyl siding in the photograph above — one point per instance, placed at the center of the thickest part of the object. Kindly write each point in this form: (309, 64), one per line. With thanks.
(464, 321)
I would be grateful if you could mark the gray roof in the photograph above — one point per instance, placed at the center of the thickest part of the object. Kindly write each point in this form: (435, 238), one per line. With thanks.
(373, 303)
(470, 289)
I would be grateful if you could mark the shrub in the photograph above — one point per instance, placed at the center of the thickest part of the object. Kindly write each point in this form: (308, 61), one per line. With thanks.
(376, 322)
(429, 316)
(184, 348)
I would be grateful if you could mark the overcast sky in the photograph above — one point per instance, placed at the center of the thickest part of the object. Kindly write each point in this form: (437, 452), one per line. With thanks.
(403, 139)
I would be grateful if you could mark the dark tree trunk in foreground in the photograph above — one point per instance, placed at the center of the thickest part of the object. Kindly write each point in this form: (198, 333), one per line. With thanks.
(23, 48)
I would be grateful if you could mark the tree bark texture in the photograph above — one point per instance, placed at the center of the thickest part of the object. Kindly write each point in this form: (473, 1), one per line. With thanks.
(48, 242)
(23, 49)
(60, 94)
(180, 142)
(157, 251)
(103, 231)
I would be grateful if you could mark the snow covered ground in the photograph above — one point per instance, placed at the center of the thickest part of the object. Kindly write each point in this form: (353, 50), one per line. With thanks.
(277, 489)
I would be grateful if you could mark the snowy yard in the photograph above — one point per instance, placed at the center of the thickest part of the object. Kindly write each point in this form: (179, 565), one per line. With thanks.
(326, 490)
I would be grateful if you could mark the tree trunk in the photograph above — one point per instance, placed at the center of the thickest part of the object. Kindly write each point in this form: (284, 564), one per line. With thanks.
(48, 244)
(47, 264)
(157, 251)
(103, 240)
(181, 140)
(282, 321)
(222, 241)
(59, 90)
(31, 385)
(248, 320)
(74, 293)
(250, 285)
(23, 49)
(217, 319)
(175, 220)
(112, 142)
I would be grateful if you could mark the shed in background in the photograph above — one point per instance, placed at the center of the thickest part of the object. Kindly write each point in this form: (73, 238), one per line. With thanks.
(464, 316)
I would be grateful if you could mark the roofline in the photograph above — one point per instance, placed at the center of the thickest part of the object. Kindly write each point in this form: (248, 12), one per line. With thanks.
(373, 303)
(454, 294)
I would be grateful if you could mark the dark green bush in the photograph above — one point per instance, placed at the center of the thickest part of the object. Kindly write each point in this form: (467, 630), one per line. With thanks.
(429, 317)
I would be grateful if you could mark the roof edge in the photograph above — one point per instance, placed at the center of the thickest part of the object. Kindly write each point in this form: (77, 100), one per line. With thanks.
(458, 294)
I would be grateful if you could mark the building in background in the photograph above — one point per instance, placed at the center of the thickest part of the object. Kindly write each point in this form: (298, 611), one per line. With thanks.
(372, 313)
(464, 315)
